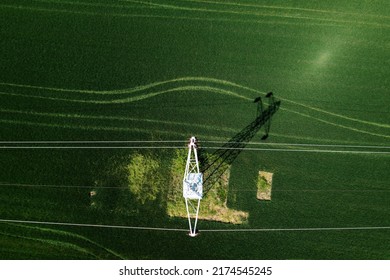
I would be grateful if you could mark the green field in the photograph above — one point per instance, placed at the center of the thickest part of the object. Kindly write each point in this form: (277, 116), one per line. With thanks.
(158, 72)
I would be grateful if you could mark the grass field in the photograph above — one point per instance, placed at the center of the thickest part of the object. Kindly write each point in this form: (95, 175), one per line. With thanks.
(88, 74)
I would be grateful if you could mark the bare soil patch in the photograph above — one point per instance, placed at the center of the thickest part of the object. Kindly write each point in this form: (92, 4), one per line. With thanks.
(264, 185)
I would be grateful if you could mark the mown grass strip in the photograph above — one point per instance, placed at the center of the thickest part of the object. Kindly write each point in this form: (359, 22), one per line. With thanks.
(260, 17)
(296, 16)
(288, 8)
(116, 118)
(56, 243)
(70, 237)
(180, 88)
(139, 97)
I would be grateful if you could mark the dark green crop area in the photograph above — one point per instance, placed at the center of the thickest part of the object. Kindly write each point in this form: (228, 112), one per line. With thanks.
(165, 70)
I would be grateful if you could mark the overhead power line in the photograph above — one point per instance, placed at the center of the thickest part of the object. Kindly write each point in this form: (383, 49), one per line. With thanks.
(205, 230)
(204, 147)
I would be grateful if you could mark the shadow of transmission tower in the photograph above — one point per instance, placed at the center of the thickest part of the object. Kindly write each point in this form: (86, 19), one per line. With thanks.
(217, 163)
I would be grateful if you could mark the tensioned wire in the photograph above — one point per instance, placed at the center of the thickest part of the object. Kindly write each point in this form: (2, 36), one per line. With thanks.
(89, 225)
(181, 147)
(143, 144)
(205, 230)
(184, 141)
(90, 141)
(6, 184)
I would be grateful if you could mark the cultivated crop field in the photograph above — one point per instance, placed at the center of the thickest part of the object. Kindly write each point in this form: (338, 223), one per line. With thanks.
(95, 93)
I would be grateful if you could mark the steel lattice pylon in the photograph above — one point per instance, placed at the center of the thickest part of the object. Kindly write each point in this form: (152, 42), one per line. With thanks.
(192, 185)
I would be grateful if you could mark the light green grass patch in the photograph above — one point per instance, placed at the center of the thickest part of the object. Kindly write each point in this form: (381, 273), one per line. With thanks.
(213, 206)
(144, 177)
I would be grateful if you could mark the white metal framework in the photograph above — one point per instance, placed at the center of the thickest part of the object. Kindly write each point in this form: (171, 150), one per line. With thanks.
(192, 185)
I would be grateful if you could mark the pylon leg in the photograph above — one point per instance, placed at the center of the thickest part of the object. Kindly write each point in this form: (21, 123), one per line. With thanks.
(192, 215)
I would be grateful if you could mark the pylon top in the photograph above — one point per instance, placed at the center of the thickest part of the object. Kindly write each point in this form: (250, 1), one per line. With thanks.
(193, 142)
(193, 179)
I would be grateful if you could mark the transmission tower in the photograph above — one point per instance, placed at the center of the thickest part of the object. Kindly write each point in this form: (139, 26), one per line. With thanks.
(192, 186)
